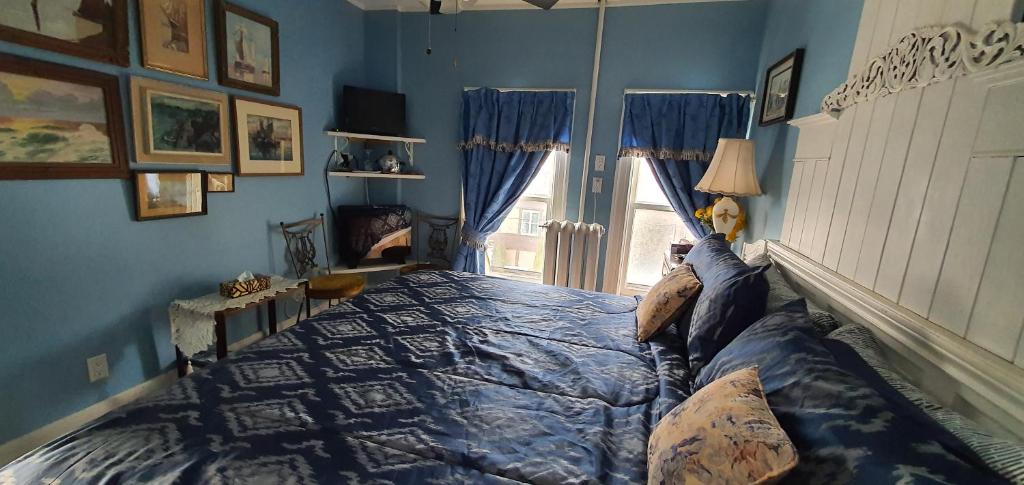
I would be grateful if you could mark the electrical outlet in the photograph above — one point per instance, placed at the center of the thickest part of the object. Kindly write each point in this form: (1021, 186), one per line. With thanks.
(597, 185)
(97, 367)
(599, 163)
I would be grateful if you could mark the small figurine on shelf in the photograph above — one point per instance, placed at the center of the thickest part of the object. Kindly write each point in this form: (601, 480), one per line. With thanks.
(339, 162)
(389, 163)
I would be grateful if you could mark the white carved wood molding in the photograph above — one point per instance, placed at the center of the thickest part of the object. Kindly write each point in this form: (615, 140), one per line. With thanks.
(929, 55)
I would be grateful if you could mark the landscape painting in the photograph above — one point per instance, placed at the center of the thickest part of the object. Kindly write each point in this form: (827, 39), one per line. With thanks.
(58, 122)
(268, 137)
(248, 46)
(179, 124)
(160, 195)
(94, 29)
(173, 34)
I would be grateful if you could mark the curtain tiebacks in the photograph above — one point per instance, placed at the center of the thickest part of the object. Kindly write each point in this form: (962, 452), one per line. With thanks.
(474, 239)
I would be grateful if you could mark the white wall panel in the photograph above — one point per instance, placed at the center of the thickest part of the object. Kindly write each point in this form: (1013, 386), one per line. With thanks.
(791, 198)
(813, 204)
(980, 203)
(844, 195)
(802, 201)
(998, 317)
(1000, 130)
(832, 179)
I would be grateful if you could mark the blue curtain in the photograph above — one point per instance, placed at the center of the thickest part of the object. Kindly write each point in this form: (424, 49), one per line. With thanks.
(505, 138)
(678, 134)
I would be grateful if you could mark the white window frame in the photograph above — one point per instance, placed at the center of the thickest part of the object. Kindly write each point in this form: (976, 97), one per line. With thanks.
(529, 222)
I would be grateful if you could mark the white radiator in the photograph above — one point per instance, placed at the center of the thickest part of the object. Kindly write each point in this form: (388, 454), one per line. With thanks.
(570, 254)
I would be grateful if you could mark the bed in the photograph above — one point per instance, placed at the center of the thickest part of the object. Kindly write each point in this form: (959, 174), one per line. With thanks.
(434, 377)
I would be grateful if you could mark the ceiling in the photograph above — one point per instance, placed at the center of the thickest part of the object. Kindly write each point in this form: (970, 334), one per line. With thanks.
(469, 5)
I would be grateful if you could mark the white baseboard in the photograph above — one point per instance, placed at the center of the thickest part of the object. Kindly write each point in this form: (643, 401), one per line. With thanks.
(11, 450)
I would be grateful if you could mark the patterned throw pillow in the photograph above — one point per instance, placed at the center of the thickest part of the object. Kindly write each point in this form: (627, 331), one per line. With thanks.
(667, 301)
(725, 433)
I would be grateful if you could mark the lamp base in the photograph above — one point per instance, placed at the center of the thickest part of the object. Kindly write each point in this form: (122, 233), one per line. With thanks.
(726, 216)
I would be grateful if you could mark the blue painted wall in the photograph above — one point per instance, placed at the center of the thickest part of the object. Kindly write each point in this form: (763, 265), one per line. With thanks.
(827, 30)
(711, 45)
(79, 277)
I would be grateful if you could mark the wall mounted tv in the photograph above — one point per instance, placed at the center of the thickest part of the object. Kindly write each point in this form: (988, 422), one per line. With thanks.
(372, 112)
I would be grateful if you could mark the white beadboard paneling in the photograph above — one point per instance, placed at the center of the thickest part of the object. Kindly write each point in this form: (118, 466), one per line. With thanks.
(980, 203)
(943, 196)
(802, 200)
(794, 189)
(832, 178)
(1000, 130)
(887, 185)
(998, 317)
(813, 205)
(871, 161)
(844, 195)
(993, 10)
(1020, 351)
(862, 46)
(815, 136)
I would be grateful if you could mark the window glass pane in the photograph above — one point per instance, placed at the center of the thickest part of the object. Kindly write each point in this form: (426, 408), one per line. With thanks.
(542, 185)
(647, 189)
(652, 234)
(517, 249)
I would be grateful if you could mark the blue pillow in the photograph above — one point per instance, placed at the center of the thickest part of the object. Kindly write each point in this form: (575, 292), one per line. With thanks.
(845, 430)
(722, 311)
(714, 262)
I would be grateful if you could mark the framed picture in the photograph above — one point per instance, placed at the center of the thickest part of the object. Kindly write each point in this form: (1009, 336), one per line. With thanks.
(162, 195)
(247, 47)
(179, 124)
(93, 29)
(59, 122)
(220, 182)
(780, 86)
(173, 34)
(268, 137)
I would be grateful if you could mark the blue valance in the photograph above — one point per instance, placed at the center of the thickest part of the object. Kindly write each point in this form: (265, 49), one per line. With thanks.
(681, 126)
(517, 121)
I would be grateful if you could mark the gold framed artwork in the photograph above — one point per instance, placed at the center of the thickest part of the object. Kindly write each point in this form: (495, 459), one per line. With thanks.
(93, 29)
(163, 194)
(178, 124)
(173, 34)
(248, 55)
(220, 182)
(268, 137)
(59, 122)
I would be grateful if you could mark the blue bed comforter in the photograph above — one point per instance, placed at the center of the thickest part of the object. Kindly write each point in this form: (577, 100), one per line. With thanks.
(433, 377)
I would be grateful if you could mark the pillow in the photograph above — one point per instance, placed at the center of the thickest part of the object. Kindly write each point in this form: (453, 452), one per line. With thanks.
(845, 430)
(714, 262)
(1003, 456)
(722, 312)
(725, 433)
(667, 301)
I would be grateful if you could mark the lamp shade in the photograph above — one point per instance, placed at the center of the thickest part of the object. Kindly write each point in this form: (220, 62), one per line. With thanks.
(732, 170)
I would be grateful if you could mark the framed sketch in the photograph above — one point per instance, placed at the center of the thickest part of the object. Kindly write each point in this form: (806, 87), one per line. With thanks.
(179, 124)
(247, 47)
(162, 195)
(780, 86)
(220, 182)
(59, 122)
(93, 29)
(173, 34)
(268, 137)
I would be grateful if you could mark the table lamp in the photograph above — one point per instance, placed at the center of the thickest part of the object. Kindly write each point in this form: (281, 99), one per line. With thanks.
(731, 174)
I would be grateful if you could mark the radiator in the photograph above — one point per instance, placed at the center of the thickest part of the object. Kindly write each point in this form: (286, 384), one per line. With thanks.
(570, 254)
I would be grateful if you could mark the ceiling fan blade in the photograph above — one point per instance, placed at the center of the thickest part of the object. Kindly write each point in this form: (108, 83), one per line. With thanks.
(545, 4)
(435, 7)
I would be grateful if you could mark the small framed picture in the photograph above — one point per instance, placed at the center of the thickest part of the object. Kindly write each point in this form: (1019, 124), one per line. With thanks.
(220, 182)
(178, 124)
(163, 194)
(247, 47)
(173, 34)
(59, 122)
(268, 137)
(780, 86)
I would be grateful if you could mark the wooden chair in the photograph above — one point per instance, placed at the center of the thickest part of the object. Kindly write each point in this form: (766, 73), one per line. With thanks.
(439, 255)
(298, 237)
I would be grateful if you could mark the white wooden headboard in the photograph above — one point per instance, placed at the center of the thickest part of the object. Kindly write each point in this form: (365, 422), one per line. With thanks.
(906, 202)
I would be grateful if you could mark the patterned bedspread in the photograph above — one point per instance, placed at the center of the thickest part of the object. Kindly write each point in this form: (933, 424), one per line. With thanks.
(434, 377)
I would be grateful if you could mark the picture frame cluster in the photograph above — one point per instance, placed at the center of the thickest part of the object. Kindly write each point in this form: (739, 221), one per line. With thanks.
(62, 122)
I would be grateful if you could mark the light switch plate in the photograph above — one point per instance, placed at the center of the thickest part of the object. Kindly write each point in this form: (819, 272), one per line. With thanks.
(597, 185)
(97, 367)
(599, 163)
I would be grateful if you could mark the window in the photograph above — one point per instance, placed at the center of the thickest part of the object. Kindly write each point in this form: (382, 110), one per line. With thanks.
(517, 249)
(648, 226)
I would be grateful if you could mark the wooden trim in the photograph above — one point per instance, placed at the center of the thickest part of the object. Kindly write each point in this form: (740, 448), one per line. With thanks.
(115, 124)
(114, 54)
(996, 385)
(238, 133)
(223, 8)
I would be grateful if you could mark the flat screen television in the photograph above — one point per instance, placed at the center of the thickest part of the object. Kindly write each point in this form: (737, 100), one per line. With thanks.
(372, 112)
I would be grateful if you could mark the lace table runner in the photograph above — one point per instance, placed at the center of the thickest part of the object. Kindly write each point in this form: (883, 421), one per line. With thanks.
(192, 321)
